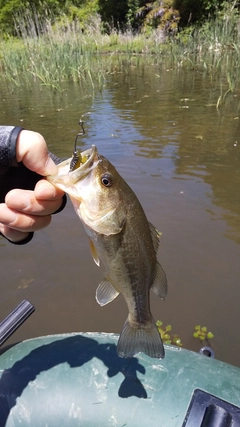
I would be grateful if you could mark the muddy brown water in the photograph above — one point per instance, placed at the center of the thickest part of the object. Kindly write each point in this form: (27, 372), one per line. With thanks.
(181, 156)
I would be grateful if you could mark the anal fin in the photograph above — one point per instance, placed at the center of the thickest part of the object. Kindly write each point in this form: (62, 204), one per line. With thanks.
(105, 292)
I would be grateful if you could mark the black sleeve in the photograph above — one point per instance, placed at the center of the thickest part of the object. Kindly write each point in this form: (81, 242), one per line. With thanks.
(19, 177)
(14, 174)
(8, 138)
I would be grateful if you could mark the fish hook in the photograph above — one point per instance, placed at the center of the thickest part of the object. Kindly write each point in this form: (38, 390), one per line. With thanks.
(76, 156)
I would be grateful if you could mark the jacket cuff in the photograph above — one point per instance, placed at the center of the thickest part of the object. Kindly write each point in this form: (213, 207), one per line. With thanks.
(21, 242)
(64, 202)
(12, 146)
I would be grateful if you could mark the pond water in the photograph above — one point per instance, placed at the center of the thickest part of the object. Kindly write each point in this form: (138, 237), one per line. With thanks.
(181, 155)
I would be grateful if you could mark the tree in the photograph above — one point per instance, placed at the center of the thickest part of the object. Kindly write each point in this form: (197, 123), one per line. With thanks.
(12, 10)
(112, 12)
(159, 15)
(192, 11)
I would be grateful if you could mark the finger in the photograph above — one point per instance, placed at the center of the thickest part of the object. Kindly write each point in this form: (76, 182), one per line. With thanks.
(31, 149)
(24, 201)
(22, 222)
(13, 235)
(44, 190)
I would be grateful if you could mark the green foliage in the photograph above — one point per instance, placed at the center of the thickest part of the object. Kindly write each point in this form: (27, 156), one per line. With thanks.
(10, 11)
(192, 11)
(66, 53)
(136, 14)
(166, 336)
(159, 15)
(7, 11)
(56, 48)
(121, 13)
(85, 15)
(113, 13)
(132, 18)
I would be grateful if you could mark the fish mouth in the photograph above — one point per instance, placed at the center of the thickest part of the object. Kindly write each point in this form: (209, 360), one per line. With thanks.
(68, 176)
(91, 157)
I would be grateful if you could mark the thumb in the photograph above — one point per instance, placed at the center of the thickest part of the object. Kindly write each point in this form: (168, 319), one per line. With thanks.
(32, 151)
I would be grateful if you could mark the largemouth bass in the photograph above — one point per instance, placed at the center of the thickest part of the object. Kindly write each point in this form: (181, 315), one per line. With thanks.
(124, 241)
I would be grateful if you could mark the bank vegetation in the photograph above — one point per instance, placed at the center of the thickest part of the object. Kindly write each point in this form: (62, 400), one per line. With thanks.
(81, 41)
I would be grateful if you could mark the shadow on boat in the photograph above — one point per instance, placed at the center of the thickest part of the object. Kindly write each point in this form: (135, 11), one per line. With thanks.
(77, 351)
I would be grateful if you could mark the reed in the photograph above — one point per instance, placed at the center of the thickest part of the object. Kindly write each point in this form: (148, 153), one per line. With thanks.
(214, 49)
(51, 54)
(63, 55)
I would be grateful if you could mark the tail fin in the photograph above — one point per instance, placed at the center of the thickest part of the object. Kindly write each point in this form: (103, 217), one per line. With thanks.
(142, 339)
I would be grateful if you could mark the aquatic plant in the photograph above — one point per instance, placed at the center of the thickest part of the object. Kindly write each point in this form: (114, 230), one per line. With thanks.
(166, 335)
(200, 332)
(63, 52)
(66, 50)
(203, 334)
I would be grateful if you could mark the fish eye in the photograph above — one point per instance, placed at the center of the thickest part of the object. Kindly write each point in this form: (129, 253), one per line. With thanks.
(106, 180)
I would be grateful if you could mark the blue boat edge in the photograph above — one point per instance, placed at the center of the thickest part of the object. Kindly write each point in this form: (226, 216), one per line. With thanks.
(77, 379)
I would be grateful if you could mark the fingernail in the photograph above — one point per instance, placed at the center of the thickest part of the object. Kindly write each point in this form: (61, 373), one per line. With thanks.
(51, 168)
(44, 190)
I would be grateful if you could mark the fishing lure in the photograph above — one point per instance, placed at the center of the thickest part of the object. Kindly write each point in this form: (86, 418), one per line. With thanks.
(77, 159)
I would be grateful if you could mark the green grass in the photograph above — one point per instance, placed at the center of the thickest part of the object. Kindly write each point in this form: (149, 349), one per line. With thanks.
(64, 53)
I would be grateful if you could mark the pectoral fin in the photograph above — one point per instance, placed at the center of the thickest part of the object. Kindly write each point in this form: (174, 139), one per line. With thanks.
(105, 292)
(94, 253)
(160, 283)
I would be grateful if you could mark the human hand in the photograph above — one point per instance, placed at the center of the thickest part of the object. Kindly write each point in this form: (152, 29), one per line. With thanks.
(26, 211)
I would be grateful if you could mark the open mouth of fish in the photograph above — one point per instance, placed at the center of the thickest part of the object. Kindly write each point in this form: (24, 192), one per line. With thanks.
(68, 175)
